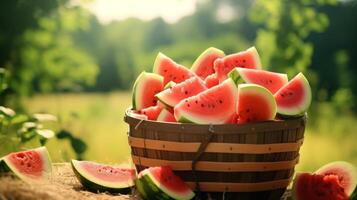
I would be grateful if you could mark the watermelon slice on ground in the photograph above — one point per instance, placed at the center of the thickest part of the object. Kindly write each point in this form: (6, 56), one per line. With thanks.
(294, 98)
(170, 70)
(183, 90)
(212, 106)
(244, 59)
(270, 80)
(166, 116)
(151, 112)
(144, 90)
(255, 103)
(30, 166)
(346, 173)
(318, 187)
(203, 66)
(157, 183)
(104, 178)
(211, 80)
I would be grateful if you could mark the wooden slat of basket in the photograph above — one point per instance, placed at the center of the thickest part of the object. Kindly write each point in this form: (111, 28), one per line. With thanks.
(241, 187)
(215, 147)
(218, 166)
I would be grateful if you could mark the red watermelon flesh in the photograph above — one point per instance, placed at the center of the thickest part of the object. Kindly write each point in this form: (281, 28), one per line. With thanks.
(244, 59)
(203, 66)
(294, 98)
(183, 90)
(170, 70)
(151, 112)
(346, 173)
(212, 106)
(211, 81)
(31, 165)
(166, 116)
(146, 86)
(318, 187)
(270, 80)
(255, 103)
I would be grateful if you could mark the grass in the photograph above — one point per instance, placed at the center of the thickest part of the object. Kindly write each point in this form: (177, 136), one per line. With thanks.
(98, 119)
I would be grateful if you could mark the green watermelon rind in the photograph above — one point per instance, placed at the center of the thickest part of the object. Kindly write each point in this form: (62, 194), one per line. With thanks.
(257, 89)
(301, 110)
(138, 82)
(347, 167)
(94, 184)
(210, 50)
(235, 76)
(169, 85)
(152, 189)
(7, 166)
(185, 117)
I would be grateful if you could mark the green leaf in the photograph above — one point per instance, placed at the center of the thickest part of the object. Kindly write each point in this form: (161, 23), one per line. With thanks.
(63, 134)
(19, 119)
(78, 145)
(27, 136)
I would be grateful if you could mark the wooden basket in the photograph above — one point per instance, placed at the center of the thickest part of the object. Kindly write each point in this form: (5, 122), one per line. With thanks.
(252, 161)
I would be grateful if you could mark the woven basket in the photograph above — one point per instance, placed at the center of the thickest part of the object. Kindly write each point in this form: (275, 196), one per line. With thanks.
(252, 161)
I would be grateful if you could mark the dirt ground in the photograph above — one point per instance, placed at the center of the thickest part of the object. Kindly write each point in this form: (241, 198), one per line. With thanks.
(63, 185)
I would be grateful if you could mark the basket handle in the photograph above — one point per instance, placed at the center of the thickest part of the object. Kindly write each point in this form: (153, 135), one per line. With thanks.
(201, 149)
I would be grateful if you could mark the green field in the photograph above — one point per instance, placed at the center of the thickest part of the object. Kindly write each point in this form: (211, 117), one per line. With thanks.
(98, 120)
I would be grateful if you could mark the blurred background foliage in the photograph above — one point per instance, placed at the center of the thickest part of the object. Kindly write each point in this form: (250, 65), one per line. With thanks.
(62, 60)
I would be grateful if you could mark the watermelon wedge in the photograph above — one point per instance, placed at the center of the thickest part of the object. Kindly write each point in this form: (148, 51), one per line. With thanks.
(157, 183)
(104, 178)
(170, 70)
(244, 59)
(294, 98)
(144, 90)
(151, 112)
(203, 66)
(212, 106)
(270, 80)
(30, 166)
(211, 80)
(166, 116)
(255, 103)
(132, 113)
(183, 90)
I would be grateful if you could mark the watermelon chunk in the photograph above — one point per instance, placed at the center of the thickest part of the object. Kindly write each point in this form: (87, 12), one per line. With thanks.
(318, 187)
(104, 178)
(166, 116)
(211, 80)
(170, 70)
(30, 166)
(212, 106)
(151, 112)
(346, 173)
(183, 90)
(244, 59)
(255, 103)
(203, 66)
(132, 113)
(270, 80)
(146, 86)
(294, 98)
(157, 183)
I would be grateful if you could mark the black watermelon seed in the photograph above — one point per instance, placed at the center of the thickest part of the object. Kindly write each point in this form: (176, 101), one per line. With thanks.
(220, 101)
(202, 105)
(186, 100)
(186, 92)
(188, 105)
(282, 95)
(196, 102)
(244, 60)
(165, 70)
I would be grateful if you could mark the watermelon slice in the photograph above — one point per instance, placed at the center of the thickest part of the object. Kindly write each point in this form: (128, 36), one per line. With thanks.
(183, 90)
(30, 166)
(211, 80)
(157, 183)
(212, 106)
(255, 103)
(144, 90)
(346, 173)
(203, 66)
(151, 112)
(170, 70)
(294, 98)
(245, 59)
(132, 113)
(104, 178)
(318, 187)
(270, 80)
(166, 116)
